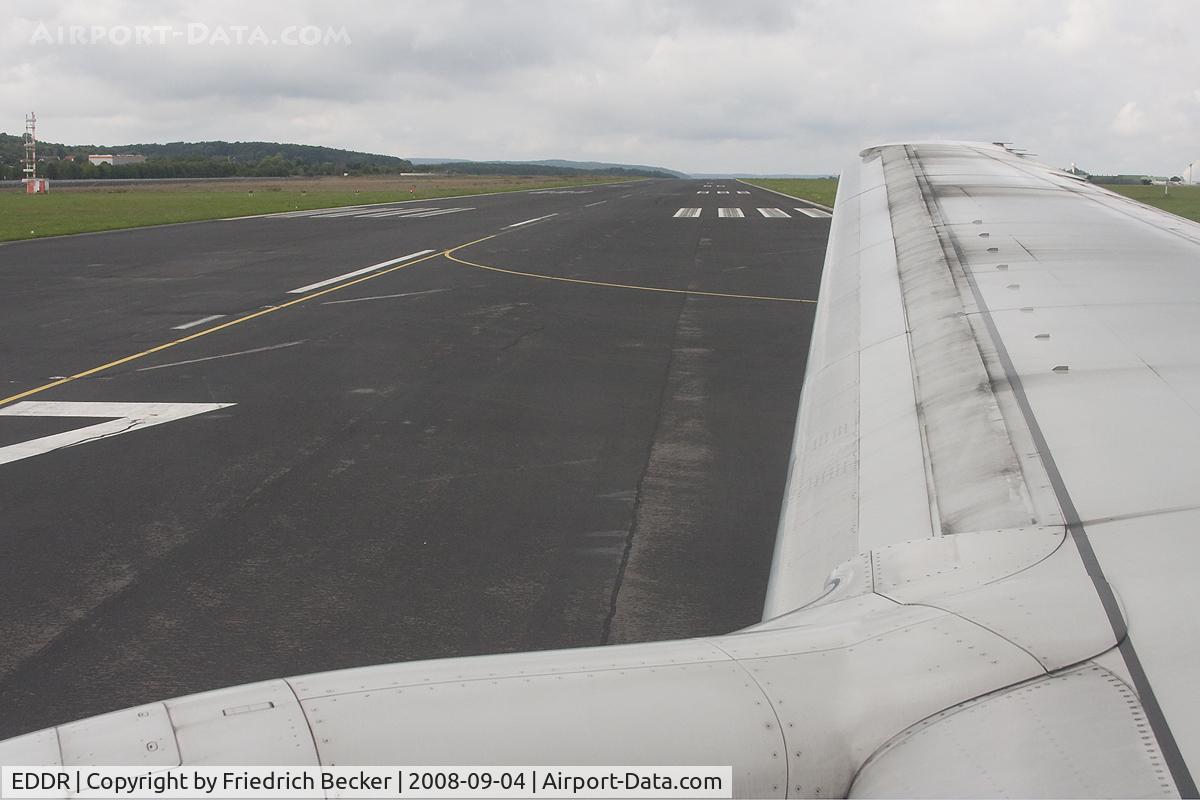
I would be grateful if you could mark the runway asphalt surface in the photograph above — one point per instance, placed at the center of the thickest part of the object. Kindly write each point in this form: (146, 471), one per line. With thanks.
(431, 459)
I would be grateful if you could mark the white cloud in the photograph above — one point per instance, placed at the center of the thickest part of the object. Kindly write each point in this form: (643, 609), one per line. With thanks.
(1130, 120)
(772, 85)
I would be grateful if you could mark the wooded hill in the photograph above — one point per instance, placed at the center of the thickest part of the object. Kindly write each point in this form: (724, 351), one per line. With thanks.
(263, 159)
(196, 160)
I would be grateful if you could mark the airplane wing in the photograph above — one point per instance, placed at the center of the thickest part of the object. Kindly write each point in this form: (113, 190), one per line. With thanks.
(983, 582)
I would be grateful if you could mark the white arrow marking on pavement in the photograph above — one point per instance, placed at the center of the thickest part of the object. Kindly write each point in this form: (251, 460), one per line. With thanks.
(125, 417)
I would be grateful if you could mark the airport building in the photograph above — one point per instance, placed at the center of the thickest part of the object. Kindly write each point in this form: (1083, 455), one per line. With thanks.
(115, 160)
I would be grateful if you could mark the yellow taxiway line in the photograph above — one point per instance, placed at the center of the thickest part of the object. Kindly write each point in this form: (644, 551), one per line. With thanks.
(450, 255)
(205, 332)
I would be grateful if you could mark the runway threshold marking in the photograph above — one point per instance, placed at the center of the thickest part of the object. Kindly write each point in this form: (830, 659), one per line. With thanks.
(357, 272)
(396, 212)
(450, 255)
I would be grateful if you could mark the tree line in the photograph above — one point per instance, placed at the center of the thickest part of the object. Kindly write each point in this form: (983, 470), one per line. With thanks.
(195, 160)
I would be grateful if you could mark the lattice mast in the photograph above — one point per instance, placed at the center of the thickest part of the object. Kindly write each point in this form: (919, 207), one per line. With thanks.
(30, 146)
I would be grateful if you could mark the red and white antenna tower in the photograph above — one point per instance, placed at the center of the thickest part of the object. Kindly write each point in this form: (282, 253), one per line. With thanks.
(30, 147)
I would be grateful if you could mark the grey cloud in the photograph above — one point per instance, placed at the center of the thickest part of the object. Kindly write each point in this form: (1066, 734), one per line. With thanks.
(780, 86)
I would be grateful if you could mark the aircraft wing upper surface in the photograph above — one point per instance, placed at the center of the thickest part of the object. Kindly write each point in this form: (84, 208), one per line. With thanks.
(983, 580)
(1005, 354)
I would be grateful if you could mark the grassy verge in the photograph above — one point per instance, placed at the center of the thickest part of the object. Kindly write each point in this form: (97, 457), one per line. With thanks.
(81, 210)
(1183, 200)
(818, 190)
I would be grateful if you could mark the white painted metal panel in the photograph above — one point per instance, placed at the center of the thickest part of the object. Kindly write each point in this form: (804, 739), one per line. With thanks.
(821, 490)
(260, 723)
(39, 748)
(710, 713)
(894, 502)
(927, 569)
(140, 736)
(838, 706)
(1151, 562)
(583, 659)
(834, 626)
(1080, 734)
(1050, 610)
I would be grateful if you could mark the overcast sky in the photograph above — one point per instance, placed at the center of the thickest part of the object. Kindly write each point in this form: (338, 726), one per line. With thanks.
(730, 86)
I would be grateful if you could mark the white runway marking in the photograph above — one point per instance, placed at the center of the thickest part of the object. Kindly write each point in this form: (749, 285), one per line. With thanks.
(730, 212)
(774, 213)
(313, 213)
(723, 191)
(598, 202)
(702, 191)
(359, 213)
(743, 191)
(439, 211)
(357, 272)
(382, 297)
(223, 355)
(395, 212)
(334, 214)
(688, 213)
(814, 212)
(196, 322)
(123, 418)
(535, 219)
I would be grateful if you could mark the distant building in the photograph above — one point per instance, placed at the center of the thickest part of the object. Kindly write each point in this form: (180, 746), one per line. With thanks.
(1192, 173)
(1122, 180)
(115, 160)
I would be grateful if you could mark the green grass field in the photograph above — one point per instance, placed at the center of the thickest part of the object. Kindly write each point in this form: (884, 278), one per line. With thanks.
(818, 190)
(1183, 200)
(108, 208)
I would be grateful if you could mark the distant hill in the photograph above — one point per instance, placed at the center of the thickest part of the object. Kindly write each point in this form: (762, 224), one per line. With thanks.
(534, 167)
(273, 159)
(253, 152)
(196, 160)
(425, 162)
